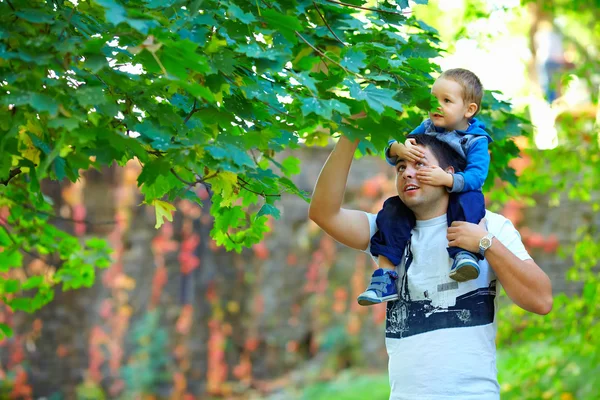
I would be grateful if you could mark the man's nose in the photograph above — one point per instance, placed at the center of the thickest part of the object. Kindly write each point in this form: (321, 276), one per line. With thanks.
(409, 172)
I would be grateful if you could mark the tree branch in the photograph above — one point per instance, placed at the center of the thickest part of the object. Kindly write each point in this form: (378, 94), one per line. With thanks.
(327, 24)
(321, 53)
(194, 109)
(68, 22)
(181, 179)
(263, 194)
(339, 3)
(230, 238)
(12, 174)
(10, 5)
(190, 184)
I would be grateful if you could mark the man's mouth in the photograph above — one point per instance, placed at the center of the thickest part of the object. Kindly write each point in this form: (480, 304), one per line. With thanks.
(410, 188)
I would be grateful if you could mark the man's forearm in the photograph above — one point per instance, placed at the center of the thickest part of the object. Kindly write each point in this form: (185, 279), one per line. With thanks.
(524, 281)
(329, 191)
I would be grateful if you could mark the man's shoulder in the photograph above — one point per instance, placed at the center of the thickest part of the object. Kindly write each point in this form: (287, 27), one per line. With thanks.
(495, 221)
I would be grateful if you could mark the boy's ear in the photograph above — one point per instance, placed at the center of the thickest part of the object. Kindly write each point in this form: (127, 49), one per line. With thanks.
(471, 110)
(450, 169)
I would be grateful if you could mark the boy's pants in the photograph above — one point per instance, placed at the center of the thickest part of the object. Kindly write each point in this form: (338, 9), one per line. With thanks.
(395, 222)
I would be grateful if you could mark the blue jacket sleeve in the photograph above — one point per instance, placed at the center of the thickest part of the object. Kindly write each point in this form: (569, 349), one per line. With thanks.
(417, 131)
(390, 160)
(478, 165)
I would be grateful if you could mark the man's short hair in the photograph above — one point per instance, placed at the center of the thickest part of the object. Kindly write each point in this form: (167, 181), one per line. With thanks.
(470, 83)
(446, 155)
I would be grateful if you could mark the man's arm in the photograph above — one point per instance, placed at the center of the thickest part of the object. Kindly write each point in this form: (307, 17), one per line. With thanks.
(524, 281)
(349, 227)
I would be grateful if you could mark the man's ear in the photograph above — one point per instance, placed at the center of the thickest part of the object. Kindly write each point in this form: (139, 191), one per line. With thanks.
(471, 110)
(450, 170)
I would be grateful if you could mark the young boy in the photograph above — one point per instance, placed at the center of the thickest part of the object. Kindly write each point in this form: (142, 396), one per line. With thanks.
(459, 93)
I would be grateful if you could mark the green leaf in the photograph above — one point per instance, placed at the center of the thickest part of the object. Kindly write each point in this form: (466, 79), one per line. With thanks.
(35, 16)
(286, 24)
(268, 209)
(9, 258)
(6, 331)
(67, 123)
(323, 108)
(353, 60)
(44, 103)
(33, 282)
(95, 62)
(159, 139)
(163, 210)
(22, 304)
(291, 165)
(376, 98)
(11, 286)
(237, 13)
(90, 96)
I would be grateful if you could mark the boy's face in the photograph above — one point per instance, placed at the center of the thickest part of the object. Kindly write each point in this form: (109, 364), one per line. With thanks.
(453, 112)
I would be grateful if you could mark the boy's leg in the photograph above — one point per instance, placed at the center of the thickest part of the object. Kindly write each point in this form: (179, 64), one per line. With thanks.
(469, 207)
(394, 223)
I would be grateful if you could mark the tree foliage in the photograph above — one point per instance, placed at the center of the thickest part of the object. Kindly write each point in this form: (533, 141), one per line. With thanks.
(201, 93)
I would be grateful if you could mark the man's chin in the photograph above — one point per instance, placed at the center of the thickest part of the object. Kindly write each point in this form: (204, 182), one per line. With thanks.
(409, 200)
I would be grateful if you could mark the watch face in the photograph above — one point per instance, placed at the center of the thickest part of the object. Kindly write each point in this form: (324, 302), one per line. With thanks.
(486, 242)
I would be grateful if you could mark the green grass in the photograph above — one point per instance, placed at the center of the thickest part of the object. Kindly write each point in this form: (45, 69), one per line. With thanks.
(350, 386)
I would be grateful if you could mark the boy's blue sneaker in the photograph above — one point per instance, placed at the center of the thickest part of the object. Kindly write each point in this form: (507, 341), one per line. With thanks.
(465, 267)
(381, 289)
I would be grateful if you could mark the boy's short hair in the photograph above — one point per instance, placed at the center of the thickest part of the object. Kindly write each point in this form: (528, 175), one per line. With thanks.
(445, 154)
(472, 87)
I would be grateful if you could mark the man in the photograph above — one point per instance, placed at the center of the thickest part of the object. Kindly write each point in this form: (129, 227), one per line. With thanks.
(440, 334)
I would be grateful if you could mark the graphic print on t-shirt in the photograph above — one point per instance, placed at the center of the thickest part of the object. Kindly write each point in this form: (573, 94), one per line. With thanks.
(437, 307)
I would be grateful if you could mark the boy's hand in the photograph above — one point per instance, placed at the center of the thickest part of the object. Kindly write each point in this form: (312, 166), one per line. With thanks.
(466, 235)
(407, 151)
(435, 176)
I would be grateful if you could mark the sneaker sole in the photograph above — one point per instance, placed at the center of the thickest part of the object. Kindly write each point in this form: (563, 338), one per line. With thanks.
(368, 301)
(464, 274)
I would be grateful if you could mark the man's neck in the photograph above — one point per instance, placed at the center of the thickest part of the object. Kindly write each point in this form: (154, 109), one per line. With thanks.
(429, 212)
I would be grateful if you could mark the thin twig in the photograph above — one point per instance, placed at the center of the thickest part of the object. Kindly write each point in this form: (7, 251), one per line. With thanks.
(327, 24)
(276, 109)
(194, 183)
(162, 68)
(321, 53)
(3, 224)
(12, 174)
(339, 3)
(181, 179)
(209, 177)
(230, 238)
(68, 22)
(266, 4)
(10, 5)
(263, 194)
(194, 109)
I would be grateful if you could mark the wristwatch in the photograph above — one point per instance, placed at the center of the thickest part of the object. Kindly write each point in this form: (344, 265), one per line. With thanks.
(485, 243)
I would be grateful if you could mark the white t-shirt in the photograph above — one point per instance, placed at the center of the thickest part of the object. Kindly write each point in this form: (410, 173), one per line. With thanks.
(440, 335)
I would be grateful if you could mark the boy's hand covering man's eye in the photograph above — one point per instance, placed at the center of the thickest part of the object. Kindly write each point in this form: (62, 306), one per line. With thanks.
(434, 176)
(410, 152)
